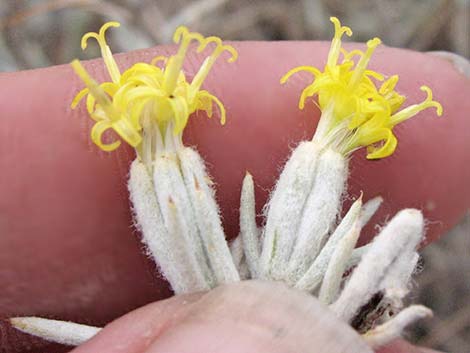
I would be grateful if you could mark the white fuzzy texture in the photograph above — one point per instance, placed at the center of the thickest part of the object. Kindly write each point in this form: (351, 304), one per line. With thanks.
(320, 212)
(397, 283)
(357, 255)
(163, 246)
(64, 332)
(239, 258)
(207, 217)
(236, 249)
(337, 266)
(393, 328)
(400, 275)
(248, 227)
(178, 218)
(369, 209)
(244, 270)
(285, 210)
(313, 277)
(402, 234)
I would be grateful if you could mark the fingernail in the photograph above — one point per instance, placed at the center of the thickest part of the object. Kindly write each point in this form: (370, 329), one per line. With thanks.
(461, 63)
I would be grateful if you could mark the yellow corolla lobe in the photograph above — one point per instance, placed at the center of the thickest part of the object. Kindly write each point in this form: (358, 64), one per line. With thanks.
(158, 92)
(355, 113)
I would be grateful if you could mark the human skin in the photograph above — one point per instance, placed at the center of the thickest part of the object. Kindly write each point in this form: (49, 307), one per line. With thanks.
(68, 249)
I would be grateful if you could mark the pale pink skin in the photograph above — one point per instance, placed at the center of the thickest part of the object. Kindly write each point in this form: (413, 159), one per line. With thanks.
(67, 247)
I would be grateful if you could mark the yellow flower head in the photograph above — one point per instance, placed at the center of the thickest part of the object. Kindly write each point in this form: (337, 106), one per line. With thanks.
(355, 112)
(148, 94)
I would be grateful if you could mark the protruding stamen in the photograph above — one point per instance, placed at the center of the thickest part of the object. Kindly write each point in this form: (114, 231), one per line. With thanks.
(363, 62)
(175, 62)
(333, 55)
(106, 53)
(209, 62)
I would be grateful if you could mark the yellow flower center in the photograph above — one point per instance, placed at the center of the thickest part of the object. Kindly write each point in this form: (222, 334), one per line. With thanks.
(355, 113)
(148, 94)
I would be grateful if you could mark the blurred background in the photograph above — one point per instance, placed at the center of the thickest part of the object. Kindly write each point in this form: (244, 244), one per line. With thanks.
(38, 33)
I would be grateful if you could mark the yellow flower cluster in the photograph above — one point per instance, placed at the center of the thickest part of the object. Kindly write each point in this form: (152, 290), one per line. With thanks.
(355, 112)
(148, 92)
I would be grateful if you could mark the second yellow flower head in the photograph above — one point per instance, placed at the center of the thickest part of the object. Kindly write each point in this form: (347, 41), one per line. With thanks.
(355, 112)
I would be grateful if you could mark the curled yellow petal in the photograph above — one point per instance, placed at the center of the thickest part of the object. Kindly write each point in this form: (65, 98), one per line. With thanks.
(386, 149)
(414, 109)
(181, 113)
(97, 135)
(313, 70)
(158, 59)
(78, 97)
(211, 98)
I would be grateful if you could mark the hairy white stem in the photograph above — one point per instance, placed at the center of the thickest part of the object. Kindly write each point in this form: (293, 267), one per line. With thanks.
(64, 332)
(369, 209)
(320, 212)
(160, 243)
(285, 209)
(393, 328)
(207, 216)
(314, 275)
(401, 235)
(248, 227)
(339, 260)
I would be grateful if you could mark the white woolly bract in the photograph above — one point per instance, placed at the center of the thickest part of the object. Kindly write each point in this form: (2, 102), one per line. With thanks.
(314, 275)
(396, 285)
(207, 217)
(369, 209)
(285, 209)
(337, 265)
(393, 328)
(178, 216)
(236, 249)
(248, 227)
(163, 246)
(402, 234)
(63, 332)
(320, 212)
(357, 255)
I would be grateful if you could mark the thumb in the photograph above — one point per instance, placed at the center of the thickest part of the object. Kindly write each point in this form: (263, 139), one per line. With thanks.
(250, 316)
